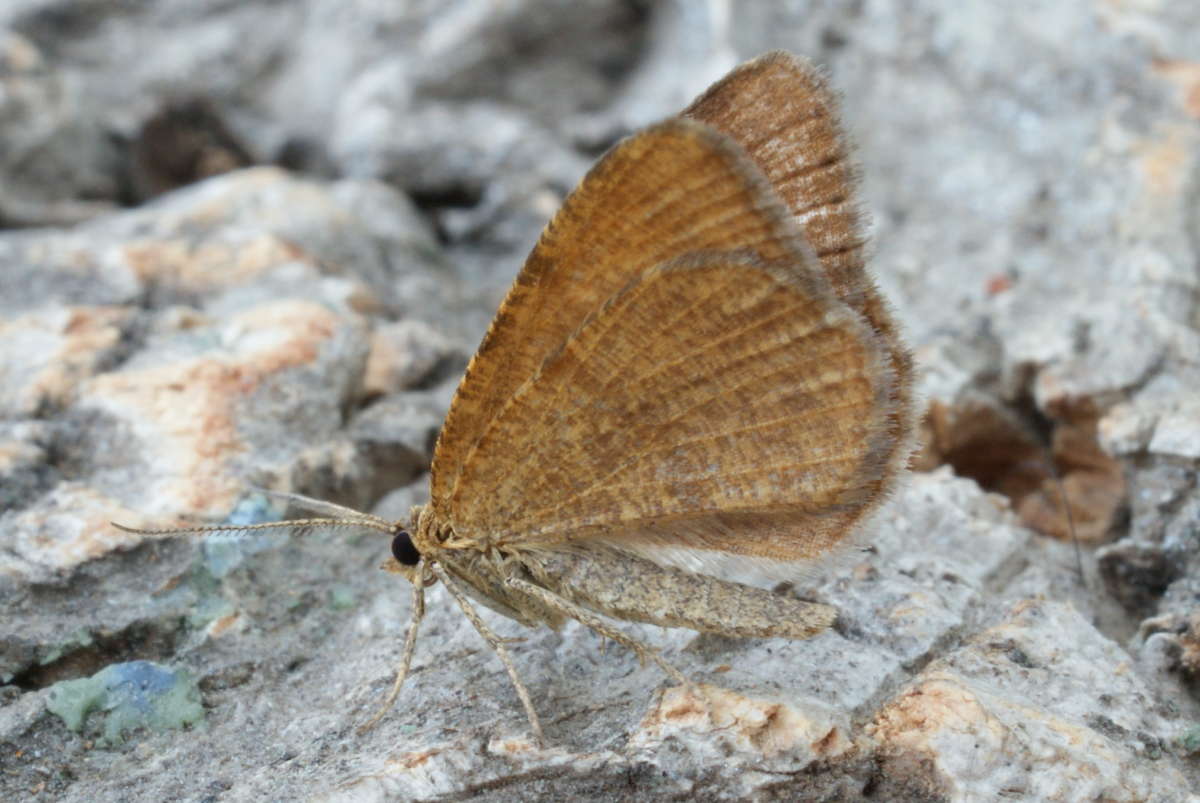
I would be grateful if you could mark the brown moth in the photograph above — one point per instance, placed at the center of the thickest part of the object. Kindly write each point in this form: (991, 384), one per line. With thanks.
(693, 364)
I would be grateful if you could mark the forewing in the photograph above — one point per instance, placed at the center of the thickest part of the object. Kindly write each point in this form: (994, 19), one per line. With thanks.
(718, 401)
(673, 189)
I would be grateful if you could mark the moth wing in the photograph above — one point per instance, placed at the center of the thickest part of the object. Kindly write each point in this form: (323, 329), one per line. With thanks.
(716, 402)
(781, 111)
(701, 373)
(675, 188)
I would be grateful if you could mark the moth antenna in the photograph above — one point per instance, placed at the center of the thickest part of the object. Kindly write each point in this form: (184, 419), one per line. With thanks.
(320, 506)
(370, 522)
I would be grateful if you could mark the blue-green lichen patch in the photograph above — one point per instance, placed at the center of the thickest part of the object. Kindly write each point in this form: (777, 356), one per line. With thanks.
(342, 597)
(138, 694)
(200, 591)
(1189, 740)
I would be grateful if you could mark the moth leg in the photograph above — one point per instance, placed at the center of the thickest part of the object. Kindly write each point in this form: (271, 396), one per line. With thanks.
(643, 651)
(410, 643)
(497, 645)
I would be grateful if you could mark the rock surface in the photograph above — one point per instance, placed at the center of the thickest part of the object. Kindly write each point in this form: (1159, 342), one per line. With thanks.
(1033, 171)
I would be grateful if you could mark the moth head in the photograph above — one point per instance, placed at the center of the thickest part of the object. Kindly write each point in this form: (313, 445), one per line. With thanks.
(405, 556)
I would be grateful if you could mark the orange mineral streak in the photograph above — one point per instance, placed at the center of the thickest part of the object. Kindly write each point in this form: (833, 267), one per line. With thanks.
(693, 356)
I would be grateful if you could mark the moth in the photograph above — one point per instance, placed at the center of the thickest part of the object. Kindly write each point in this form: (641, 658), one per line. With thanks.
(693, 366)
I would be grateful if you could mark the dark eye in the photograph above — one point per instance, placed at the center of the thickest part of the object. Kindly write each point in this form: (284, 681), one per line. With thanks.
(403, 549)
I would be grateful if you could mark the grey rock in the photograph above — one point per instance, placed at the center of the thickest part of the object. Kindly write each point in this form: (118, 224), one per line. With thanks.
(58, 166)
(395, 436)
(1021, 698)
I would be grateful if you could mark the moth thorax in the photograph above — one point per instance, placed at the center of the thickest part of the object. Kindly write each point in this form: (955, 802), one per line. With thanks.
(429, 532)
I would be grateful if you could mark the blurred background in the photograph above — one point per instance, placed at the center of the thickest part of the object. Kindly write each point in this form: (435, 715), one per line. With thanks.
(254, 244)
